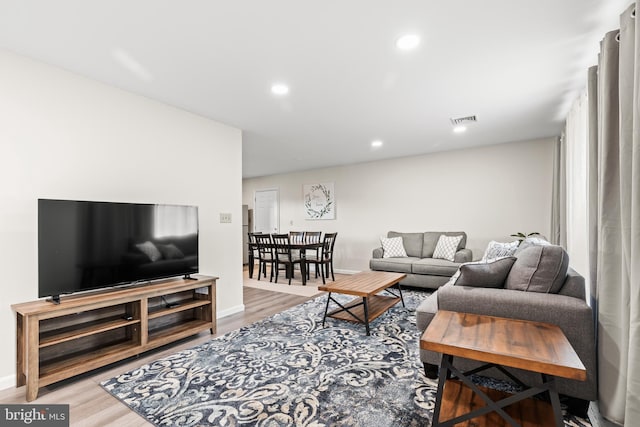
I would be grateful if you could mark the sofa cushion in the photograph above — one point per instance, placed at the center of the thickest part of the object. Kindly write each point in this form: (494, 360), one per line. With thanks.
(539, 268)
(397, 265)
(491, 274)
(412, 242)
(498, 250)
(392, 247)
(435, 267)
(430, 240)
(447, 247)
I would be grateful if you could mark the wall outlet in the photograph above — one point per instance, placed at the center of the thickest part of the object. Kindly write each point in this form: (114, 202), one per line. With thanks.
(225, 217)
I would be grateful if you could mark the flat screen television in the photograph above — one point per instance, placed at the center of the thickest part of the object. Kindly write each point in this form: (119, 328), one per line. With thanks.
(84, 245)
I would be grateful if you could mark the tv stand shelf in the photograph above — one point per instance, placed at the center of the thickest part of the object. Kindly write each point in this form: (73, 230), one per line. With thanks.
(91, 328)
(177, 309)
(85, 332)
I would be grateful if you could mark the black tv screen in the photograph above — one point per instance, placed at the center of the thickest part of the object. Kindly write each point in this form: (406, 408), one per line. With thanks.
(85, 245)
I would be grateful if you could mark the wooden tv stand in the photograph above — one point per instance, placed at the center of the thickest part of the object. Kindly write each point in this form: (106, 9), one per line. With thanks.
(88, 331)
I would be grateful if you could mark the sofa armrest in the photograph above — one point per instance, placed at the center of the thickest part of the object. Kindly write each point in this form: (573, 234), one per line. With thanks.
(572, 315)
(463, 255)
(377, 253)
(426, 311)
(535, 306)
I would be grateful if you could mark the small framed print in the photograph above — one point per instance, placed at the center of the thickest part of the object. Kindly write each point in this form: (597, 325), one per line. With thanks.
(319, 201)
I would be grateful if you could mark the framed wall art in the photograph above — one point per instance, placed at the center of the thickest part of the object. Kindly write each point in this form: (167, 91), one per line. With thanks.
(319, 201)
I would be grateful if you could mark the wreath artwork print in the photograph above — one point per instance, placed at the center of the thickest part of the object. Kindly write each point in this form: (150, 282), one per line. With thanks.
(319, 201)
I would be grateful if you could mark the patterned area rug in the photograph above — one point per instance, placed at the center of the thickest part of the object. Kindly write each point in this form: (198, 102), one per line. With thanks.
(288, 370)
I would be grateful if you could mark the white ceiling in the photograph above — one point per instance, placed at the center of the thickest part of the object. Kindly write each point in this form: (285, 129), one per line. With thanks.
(515, 64)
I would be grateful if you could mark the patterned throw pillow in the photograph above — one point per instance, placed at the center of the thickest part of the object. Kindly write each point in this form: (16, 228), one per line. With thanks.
(531, 241)
(447, 247)
(150, 250)
(392, 247)
(498, 250)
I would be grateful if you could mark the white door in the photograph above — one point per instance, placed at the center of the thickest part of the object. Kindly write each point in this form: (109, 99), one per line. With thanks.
(266, 212)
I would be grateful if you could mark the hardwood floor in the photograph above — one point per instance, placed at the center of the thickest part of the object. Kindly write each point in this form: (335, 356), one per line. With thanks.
(90, 405)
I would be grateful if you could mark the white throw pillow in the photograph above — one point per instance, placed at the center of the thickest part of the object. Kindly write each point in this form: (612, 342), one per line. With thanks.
(498, 250)
(392, 247)
(447, 247)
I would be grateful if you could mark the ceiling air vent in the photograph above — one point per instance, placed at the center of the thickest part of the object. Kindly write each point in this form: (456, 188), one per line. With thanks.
(463, 120)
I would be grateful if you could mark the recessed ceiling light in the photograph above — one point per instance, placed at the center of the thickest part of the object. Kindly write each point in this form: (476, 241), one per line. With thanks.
(279, 89)
(408, 42)
(460, 129)
(376, 144)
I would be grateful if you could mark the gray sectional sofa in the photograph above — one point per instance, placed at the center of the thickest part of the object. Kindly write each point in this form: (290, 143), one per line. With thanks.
(538, 286)
(421, 269)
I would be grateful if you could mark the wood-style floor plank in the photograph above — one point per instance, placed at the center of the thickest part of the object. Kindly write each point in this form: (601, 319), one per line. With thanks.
(91, 406)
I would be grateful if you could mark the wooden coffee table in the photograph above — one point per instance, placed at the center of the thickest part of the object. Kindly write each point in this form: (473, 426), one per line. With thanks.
(365, 285)
(500, 343)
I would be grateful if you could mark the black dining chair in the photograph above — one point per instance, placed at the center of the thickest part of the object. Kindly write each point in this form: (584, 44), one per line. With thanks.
(265, 254)
(253, 253)
(324, 262)
(296, 236)
(286, 257)
(312, 237)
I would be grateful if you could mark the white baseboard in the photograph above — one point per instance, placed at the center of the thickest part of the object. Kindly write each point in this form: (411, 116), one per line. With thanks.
(7, 382)
(346, 271)
(230, 311)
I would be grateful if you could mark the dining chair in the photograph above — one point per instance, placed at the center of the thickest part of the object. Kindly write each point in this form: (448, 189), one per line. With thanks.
(296, 236)
(253, 252)
(324, 263)
(285, 256)
(265, 254)
(311, 237)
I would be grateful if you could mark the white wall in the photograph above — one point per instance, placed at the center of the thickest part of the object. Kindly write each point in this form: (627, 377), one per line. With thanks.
(489, 192)
(64, 136)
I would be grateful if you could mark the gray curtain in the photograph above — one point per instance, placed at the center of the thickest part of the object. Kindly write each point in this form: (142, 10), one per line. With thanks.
(559, 194)
(592, 155)
(614, 169)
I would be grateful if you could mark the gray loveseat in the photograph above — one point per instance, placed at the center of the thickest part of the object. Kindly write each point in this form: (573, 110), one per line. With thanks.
(563, 304)
(421, 269)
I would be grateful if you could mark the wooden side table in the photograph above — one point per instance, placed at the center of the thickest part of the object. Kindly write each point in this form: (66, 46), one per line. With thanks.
(500, 343)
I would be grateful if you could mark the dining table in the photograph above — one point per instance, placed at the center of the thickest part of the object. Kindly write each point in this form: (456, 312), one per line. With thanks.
(298, 246)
